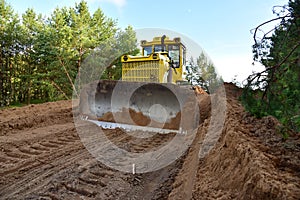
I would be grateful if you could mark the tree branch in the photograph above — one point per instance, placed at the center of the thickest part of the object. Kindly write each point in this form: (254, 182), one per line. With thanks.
(271, 20)
(70, 80)
(55, 85)
(289, 54)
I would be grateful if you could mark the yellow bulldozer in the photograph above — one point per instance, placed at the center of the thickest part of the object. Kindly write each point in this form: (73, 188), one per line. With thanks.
(152, 94)
(162, 61)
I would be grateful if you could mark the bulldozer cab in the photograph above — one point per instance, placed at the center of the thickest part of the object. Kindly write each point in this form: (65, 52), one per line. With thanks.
(175, 48)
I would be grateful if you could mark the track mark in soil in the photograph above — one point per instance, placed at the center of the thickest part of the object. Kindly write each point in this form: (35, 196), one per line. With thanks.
(5, 159)
(39, 147)
(29, 151)
(49, 196)
(102, 173)
(64, 140)
(80, 190)
(17, 155)
(92, 181)
(57, 142)
(41, 173)
(48, 144)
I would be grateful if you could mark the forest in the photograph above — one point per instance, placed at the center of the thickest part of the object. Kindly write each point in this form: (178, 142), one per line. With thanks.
(40, 56)
(276, 90)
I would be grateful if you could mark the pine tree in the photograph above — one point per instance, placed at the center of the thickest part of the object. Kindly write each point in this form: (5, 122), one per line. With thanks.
(279, 83)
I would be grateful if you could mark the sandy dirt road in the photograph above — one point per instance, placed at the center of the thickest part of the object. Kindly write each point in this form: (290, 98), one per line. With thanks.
(43, 157)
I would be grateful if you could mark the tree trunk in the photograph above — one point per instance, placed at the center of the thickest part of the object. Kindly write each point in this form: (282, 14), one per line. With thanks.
(29, 92)
(1, 82)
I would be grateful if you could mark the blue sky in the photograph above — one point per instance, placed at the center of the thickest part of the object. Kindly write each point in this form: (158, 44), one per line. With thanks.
(221, 28)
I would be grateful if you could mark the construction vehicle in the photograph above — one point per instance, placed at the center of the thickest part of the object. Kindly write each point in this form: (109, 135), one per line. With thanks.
(162, 61)
(152, 87)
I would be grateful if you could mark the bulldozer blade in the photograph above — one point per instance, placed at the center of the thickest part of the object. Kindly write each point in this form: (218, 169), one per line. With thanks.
(128, 127)
(140, 104)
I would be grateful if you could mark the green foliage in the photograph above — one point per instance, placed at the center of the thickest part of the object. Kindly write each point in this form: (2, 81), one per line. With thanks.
(10, 46)
(40, 57)
(278, 86)
(125, 43)
(203, 73)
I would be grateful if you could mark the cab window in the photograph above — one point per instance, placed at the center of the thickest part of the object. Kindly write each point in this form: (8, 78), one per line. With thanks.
(184, 55)
(174, 53)
(147, 50)
(158, 48)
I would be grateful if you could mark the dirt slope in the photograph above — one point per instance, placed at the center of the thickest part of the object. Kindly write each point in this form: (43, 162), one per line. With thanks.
(42, 157)
(249, 161)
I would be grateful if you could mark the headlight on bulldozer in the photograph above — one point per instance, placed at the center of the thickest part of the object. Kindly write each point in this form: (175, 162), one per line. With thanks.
(154, 56)
(125, 58)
